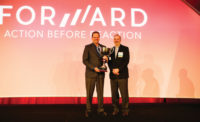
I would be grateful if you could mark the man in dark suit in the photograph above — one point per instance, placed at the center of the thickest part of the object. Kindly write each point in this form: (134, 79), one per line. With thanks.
(118, 64)
(93, 76)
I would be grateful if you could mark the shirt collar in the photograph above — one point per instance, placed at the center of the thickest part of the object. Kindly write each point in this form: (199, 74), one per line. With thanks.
(118, 46)
(96, 46)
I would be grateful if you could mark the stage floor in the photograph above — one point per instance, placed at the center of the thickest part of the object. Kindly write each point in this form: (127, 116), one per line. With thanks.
(75, 113)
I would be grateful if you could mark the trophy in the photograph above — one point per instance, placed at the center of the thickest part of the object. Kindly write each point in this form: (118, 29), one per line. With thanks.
(104, 51)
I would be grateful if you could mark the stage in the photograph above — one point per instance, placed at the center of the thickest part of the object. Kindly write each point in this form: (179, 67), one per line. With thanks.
(139, 112)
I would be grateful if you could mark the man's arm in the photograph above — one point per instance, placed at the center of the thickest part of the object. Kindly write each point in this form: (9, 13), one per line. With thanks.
(126, 59)
(86, 57)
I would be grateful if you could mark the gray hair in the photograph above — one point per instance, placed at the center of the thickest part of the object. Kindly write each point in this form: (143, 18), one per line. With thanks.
(117, 35)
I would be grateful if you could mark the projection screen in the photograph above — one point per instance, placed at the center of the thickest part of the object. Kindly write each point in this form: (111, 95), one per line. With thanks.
(42, 42)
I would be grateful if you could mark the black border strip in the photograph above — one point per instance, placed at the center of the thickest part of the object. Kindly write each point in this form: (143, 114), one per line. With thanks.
(198, 12)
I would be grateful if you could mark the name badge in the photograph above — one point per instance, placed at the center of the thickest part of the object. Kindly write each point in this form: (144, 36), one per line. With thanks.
(120, 54)
(109, 58)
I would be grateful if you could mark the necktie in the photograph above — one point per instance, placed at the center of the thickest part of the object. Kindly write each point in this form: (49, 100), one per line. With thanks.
(99, 50)
(116, 50)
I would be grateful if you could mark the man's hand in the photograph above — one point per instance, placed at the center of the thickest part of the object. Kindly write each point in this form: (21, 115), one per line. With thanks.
(96, 69)
(105, 58)
(116, 71)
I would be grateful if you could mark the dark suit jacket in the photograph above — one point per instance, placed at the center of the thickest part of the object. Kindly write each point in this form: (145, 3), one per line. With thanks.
(92, 59)
(120, 62)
